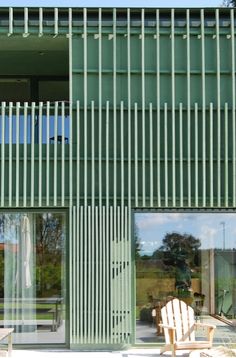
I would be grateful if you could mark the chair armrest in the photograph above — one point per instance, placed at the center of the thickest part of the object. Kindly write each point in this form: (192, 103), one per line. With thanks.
(167, 326)
(210, 330)
(171, 332)
(207, 325)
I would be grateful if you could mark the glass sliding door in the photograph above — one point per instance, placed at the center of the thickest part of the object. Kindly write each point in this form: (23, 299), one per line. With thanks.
(32, 280)
(191, 256)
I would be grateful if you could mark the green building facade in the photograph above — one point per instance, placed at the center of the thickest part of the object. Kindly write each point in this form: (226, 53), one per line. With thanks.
(106, 113)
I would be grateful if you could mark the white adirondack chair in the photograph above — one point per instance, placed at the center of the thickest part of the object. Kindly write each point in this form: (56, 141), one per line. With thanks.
(179, 328)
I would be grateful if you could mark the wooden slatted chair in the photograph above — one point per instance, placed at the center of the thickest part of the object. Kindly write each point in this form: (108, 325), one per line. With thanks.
(179, 328)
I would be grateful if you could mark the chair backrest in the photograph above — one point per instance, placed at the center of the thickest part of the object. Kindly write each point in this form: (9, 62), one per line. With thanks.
(176, 313)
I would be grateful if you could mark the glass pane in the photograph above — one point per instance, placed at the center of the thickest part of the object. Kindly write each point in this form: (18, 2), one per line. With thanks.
(191, 256)
(32, 281)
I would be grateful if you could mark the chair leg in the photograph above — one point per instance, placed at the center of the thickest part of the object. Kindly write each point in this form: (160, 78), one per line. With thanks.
(173, 350)
(9, 345)
(162, 350)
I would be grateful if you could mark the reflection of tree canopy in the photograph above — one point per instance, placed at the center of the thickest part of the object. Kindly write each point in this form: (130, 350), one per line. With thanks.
(137, 242)
(178, 248)
(49, 230)
(49, 248)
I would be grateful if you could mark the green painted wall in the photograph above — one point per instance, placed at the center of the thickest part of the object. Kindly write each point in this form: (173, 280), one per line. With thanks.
(152, 125)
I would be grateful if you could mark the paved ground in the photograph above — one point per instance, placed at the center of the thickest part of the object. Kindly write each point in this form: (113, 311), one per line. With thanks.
(145, 334)
(132, 353)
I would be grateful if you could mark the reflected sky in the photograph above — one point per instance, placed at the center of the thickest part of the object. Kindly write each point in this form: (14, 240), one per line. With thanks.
(215, 230)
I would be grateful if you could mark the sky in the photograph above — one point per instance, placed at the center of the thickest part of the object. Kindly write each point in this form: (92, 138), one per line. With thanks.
(215, 230)
(109, 3)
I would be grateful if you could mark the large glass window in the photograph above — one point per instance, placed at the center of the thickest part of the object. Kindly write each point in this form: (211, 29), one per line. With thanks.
(32, 276)
(191, 256)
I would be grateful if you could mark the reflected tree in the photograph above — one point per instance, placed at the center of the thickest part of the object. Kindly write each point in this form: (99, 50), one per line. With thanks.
(137, 245)
(178, 247)
(49, 248)
(180, 252)
(229, 3)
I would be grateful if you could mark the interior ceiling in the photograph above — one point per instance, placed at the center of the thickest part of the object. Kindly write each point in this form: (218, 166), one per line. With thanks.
(34, 56)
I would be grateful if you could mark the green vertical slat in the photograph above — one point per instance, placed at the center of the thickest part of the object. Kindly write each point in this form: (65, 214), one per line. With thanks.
(85, 275)
(10, 31)
(136, 153)
(232, 28)
(143, 109)
(10, 153)
(107, 278)
(73, 271)
(55, 171)
(204, 158)
(203, 75)
(40, 21)
(104, 274)
(126, 272)
(189, 139)
(93, 154)
(97, 278)
(173, 160)
(115, 268)
(3, 115)
(78, 153)
(32, 166)
(85, 106)
(107, 153)
(77, 277)
(158, 107)
(117, 282)
(114, 111)
(26, 22)
(218, 108)
(122, 134)
(25, 155)
(226, 146)
(89, 310)
(166, 153)
(93, 270)
(81, 266)
(70, 298)
(63, 154)
(40, 125)
(122, 266)
(111, 273)
(100, 247)
(173, 103)
(47, 153)
(100, 105)
(211, 181)
(17, 184)
(55, 22)
(151, 153)
(129, 105)
(181, 182)
(189, 107)
(70, 110)
(196, 152)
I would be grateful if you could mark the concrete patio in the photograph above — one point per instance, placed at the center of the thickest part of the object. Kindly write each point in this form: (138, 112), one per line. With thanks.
(131, 353)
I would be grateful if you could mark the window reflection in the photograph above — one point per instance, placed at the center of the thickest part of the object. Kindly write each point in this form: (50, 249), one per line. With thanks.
(191, 256)
(32, 280)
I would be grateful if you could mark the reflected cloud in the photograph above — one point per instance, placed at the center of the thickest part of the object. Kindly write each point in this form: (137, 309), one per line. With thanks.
(207, 227)
(150, 220)
(208, 233)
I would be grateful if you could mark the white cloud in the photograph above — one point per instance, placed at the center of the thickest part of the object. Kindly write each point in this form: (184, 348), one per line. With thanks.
(151, 220)
(208, 235)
